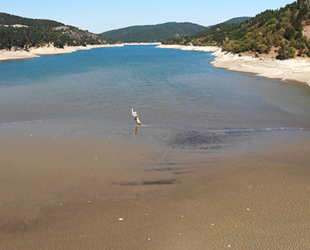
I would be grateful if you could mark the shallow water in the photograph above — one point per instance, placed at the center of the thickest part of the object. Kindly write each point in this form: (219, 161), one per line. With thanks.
(182, 100)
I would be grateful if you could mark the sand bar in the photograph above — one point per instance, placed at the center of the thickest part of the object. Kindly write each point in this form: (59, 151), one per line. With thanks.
(141, 43)
(91, 193)
(297, 70)
(14, 55)
(51, 50)
(47, 50)
(193, 48)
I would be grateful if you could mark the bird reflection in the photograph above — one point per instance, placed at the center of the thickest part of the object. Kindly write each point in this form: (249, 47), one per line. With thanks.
(136, 131)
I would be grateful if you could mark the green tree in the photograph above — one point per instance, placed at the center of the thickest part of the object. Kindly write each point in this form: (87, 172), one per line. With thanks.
(289, 33)
(299, 35)
(278, 26)
(58, 44)
(305, 9)
(298, 25)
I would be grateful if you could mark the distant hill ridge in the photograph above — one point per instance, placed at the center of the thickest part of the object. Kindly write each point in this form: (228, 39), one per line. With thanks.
(23, 33)
(160, 32)
(238, 19)
(153, 33)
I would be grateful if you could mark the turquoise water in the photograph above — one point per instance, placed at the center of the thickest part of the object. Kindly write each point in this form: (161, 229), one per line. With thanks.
(182, 100)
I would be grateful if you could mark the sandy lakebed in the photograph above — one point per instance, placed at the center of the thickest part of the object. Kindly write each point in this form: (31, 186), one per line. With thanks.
(91, 193)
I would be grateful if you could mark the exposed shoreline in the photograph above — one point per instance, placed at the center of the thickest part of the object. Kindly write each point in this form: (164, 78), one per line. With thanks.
(47, 50)
(6, 55)
(296, 70)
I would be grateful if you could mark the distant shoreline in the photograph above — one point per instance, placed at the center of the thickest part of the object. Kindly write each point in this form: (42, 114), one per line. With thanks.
(47, 50)
(295, 70)
(6, 55)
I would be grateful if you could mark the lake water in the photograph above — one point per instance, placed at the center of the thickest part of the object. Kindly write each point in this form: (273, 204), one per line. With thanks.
(182, 100)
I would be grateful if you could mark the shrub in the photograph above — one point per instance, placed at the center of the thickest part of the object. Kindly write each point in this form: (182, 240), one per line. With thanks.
(237, 49)
(291, 52)
(282, 54)
(272, 21)
(262, 48)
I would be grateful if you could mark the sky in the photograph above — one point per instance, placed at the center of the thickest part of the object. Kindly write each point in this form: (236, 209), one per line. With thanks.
(98, 16)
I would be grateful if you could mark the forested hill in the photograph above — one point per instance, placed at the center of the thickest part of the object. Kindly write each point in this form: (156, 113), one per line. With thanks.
(284, 31)
(153, 33)
(234, 20)
(20, 32)
(7, 19)
(238, 19)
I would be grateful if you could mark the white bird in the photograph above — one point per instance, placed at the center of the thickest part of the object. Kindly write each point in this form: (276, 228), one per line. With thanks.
(135, 115)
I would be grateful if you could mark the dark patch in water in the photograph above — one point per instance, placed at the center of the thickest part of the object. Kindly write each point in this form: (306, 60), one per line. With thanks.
(149, 183)
(185, 172)
(172, 163)
(161, 182)
(165, 169)
(197, 140)
(217, 139)
(132, 183)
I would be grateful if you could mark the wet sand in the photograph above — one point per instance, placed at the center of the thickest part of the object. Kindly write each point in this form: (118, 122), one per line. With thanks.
(91, 193)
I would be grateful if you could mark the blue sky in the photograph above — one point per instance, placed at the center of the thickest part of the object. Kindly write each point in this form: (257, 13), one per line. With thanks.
(99, 16)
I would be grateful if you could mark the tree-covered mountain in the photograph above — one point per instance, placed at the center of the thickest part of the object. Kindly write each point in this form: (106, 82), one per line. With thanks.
(20, 32)
(233, 20)
(238, 19)
(153, 33)
(281, 30)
